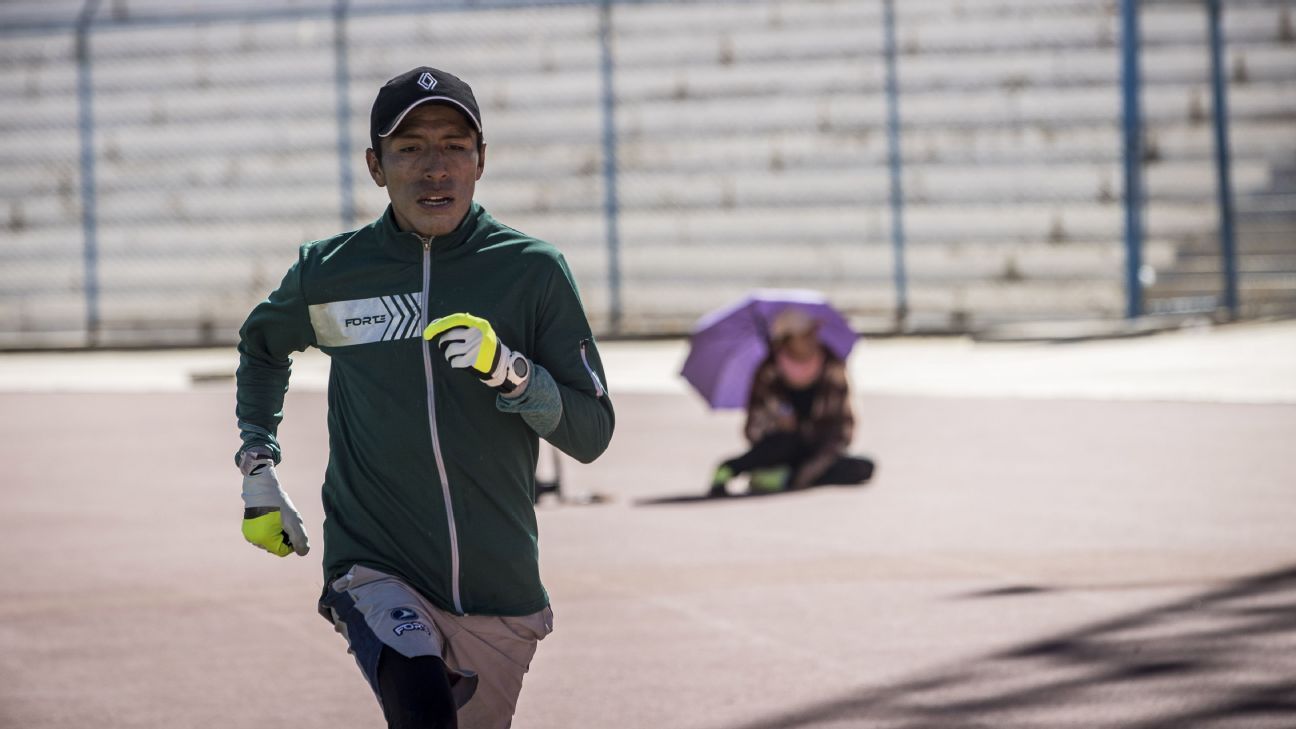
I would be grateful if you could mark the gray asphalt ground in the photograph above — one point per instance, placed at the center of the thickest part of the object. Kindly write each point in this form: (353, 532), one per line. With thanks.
(1098, 534)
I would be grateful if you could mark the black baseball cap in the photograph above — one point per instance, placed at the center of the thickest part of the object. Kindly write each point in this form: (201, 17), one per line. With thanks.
(421, 85)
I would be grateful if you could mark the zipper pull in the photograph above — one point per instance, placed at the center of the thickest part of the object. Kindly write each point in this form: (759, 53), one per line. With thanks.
(598, 385)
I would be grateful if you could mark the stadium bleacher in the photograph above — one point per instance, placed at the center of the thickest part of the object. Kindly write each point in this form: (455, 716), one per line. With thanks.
(752, 152)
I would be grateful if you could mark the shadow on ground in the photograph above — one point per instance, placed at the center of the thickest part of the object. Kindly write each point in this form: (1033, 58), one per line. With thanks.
(701, 496)
(1224, 658)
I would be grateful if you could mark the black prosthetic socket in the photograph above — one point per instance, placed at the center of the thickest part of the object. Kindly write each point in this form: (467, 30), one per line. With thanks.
(415, 692)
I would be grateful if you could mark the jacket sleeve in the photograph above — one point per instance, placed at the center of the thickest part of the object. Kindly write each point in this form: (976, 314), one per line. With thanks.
(565, 349)
(832, 425)
(767, 413)
(275, 329)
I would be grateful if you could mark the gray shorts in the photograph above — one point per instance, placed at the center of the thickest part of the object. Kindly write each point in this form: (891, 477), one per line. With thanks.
(487, 655)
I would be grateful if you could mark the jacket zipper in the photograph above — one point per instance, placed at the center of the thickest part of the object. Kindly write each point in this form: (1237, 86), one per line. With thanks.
(432, 424)
(598, 386)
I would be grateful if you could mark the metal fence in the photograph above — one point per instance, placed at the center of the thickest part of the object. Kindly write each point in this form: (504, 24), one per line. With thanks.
(931, 164)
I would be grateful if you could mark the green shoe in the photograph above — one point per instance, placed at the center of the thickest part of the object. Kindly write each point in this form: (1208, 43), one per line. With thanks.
(719, 481)
(769, 480)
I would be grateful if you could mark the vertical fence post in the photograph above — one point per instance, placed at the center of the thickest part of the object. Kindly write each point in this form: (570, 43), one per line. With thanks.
(1132, 156)
(89, 202)
(895, 162)
(610, 201)
(1223, 159)
(343, 83)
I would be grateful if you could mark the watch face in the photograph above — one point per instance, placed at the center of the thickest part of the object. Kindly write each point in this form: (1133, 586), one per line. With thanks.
(520, 367)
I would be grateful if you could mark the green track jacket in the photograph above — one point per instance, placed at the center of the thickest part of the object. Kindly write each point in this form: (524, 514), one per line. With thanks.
(431, 474)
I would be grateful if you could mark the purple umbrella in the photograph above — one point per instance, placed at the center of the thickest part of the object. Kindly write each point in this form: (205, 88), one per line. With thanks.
(728, 344)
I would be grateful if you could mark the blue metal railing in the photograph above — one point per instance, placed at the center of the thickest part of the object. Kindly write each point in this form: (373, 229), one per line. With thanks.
(611, 210)
(1132, 155)
(1223, 158)
(89, 200)
(895, 164)
(343, 76)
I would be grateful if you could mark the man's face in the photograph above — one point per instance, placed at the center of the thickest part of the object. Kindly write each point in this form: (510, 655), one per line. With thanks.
(430, 166)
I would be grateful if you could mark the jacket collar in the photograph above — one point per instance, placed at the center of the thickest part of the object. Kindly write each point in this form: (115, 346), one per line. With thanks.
(408, 246)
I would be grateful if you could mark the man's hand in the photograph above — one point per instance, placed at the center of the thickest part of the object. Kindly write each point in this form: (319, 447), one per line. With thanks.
(270, 521)
(468, 341)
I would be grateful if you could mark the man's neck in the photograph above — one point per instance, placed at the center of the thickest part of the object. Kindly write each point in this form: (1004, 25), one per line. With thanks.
(405, 227)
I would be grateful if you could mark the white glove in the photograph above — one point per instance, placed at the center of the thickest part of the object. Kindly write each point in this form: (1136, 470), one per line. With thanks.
(469, 341)
(270, 521)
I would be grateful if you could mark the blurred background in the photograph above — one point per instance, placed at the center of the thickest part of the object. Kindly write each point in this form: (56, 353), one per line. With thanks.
(930, 165)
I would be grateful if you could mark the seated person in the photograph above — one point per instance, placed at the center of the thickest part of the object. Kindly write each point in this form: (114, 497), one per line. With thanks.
(799, 419)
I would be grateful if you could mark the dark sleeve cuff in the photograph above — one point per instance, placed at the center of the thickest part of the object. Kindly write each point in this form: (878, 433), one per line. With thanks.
(254, 436)
(540, 405)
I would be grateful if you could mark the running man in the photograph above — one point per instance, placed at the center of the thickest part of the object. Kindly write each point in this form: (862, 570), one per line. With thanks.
(456, 342)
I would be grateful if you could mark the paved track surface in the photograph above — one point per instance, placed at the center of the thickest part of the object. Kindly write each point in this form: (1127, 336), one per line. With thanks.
(1018, 562)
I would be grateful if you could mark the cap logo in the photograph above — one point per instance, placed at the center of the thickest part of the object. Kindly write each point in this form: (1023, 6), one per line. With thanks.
(427, 81)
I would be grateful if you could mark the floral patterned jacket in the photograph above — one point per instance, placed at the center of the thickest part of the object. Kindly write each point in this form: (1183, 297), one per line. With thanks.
(828, 430)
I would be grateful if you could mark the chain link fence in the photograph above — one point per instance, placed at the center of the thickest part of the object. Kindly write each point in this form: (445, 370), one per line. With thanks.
(162, 161)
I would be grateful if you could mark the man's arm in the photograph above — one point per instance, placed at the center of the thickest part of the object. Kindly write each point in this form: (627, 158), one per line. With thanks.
(275, 329)
(566, 402)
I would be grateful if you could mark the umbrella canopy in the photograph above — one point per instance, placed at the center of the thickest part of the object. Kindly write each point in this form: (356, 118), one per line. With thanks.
(728, 344)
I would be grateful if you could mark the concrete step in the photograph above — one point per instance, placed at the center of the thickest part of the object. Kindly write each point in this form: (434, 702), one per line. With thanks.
(669, 301)
(1247, 263)
(795, 140)
(1271, 284)
(136, 159)
(149, 221)
(955, 266)
(684, 300)
(143, 89)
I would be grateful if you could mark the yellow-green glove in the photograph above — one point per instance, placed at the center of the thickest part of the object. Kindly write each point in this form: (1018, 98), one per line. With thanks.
(270, 521)
(469, 341)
